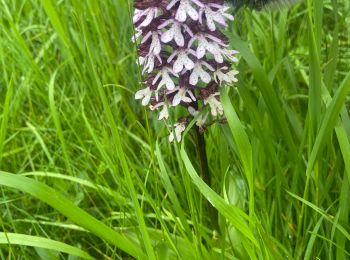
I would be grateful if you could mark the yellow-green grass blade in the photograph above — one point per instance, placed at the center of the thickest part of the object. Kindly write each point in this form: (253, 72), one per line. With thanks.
(55, 20)
(57, 121)
(267, 91)
(41, 242)
(322, 213)
(122, 158)
(67, 208)
(235, 215)
(344, 206)
(4, 119)
(82, 182)
(170, 190)
(243, 145)
(329, 121)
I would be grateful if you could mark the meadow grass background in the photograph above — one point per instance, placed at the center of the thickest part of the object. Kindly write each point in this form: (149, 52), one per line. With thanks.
(86, 172)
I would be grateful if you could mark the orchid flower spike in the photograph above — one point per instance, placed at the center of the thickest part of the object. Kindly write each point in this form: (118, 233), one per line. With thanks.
(185, 58)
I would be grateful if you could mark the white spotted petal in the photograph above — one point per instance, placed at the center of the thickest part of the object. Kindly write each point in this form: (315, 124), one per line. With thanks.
(185, 8)
(166, 80)
(181, 96)
(179, 128)
(144, 94)
(199, 73)
(182, 61)
(164, 114)
(150, 13)
(174, 33)
(215, 105)
(228, 77)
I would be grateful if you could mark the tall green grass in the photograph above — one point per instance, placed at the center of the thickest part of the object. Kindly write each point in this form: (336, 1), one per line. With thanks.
(87, 172)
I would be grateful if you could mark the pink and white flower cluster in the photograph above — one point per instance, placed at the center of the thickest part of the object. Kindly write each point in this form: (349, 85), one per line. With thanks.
(184, 57)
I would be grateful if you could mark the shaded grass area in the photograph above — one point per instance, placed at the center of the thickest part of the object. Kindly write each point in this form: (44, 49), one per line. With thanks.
(281, 166)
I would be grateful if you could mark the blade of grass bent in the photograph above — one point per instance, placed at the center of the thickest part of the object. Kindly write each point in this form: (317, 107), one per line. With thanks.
(57, 122)
(82, 182)
(233, 214)
(324, 214)
(71, 211)
(35, 241)
(243, 145)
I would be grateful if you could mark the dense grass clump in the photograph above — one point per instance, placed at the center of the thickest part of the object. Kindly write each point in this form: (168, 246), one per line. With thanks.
(87, 172)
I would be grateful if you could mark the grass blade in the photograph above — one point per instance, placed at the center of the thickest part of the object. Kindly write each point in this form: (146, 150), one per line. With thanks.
(233, 214)
(67, 208)
(170, 190)
(4, 119)
(267, 92)
(324, 214)
(329, 121)
(243, 145)
(41, 242)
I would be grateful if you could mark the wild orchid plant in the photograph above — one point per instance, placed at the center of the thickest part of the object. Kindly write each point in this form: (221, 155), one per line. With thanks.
(185, 61)
(185, 58)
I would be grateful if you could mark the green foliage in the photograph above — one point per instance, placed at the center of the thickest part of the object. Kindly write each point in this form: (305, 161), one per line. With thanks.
(86, 171)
